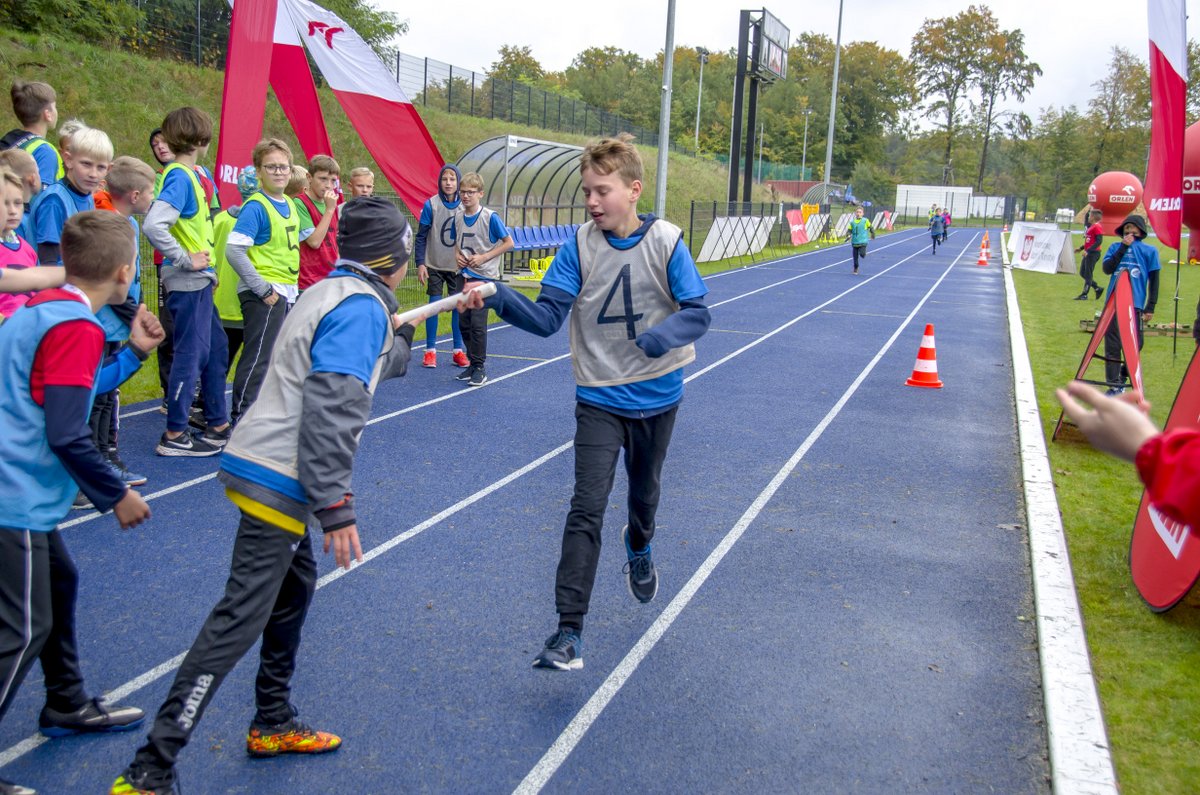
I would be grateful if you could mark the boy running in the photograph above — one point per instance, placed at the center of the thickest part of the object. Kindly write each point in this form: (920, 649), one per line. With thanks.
(859, 232)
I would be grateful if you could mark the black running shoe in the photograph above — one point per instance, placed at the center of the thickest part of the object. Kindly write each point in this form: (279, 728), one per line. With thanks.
(186, 446)
(217, 438)
(81, 503)
(94, 716)
(465, 374)
(640, 574)
(9, 788)
(561, 653)
(196, 418)
(478, 376)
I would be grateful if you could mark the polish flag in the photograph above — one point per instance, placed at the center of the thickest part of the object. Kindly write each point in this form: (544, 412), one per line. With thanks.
(1168, 90)
(382, 115)
(264, 44)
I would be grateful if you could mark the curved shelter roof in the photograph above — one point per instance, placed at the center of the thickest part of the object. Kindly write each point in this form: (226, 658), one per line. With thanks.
(527, 180)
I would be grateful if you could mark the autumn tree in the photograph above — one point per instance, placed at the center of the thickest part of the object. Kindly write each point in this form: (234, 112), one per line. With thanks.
(1003, 71)
(516, 63)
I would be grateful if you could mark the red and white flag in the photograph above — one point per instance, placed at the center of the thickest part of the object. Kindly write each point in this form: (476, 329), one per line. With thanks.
(381, 114)
(1168, 97)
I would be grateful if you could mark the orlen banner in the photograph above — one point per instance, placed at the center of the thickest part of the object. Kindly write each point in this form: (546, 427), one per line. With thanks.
(1164, 555)
(1191, 189)
(1115, 194)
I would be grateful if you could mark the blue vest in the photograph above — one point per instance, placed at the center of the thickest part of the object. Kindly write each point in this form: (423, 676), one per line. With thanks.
(66, 196)
(35, 489)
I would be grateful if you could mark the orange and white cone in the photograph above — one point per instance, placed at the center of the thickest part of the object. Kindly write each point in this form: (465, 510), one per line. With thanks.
(925, 370)
(1005, 230)
(983, 256)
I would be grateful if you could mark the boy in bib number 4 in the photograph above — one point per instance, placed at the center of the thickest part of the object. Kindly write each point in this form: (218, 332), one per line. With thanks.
(636, 305)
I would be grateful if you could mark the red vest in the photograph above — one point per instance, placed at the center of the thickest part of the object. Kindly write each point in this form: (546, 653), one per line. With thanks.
(316, 263)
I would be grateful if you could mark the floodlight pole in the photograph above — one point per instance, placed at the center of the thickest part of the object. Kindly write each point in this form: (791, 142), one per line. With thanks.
(804, 152)
(703, 55)
(837, 58)
(664, 116)
(739, 83)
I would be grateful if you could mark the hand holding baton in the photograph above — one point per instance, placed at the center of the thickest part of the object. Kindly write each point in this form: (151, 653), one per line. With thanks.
(463, 300)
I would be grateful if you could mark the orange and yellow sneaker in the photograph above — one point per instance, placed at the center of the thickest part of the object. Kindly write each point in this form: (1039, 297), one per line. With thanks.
(130, 783)
(292, 737)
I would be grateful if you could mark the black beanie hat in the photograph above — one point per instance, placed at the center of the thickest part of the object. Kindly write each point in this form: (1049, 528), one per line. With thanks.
(1137, 221)
(374, 233)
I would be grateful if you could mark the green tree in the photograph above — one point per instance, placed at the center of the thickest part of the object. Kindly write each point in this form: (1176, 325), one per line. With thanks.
(1119, 115)
(516, 63)
(95, 21)
(1004, 71)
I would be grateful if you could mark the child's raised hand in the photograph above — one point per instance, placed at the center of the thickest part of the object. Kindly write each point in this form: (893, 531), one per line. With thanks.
(131, 510)
(330, 201)
(1116, 426)
(146, 332)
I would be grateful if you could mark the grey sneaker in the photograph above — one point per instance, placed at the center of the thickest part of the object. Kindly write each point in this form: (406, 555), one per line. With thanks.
(561, 652)
(94, 716)
(464, 374)
(478, 376)
(640, 575)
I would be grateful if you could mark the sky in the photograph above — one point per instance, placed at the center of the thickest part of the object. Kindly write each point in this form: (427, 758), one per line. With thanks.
(1071, 41)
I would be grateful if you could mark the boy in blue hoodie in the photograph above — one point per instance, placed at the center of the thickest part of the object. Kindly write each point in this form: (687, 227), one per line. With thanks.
(437, 266)
(1140, 261)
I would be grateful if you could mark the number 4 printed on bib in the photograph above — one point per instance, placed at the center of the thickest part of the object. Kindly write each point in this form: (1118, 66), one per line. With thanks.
(629, 318)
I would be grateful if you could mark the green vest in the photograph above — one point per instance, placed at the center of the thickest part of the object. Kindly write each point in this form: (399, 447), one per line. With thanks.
(225, 297)
(34, 144)
(194, 234)
(278, 260)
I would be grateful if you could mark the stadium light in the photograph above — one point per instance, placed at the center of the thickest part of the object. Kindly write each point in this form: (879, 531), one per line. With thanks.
(837, 57)
(804, 152)
(703, 54)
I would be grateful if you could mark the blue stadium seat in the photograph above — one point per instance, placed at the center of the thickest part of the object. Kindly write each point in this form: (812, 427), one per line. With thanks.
(561, 233)
(520, 241)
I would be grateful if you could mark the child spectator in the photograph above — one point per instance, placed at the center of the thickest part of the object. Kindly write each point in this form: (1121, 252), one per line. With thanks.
(945, 225)
(263, 250)
(86, 164)
(480, 241)
(229, 306)
(937, 228)
(437, 267)
(859, 232)
(362, 182)
(179, 226)
(130, 191)
(288, 470)
(1093, 237)
(297, 183)
(25, 167)
(35, 106)
(67, 129)
(1140, 260)
(1167, 463)
(318, 204)
(632, 271)
(18, 254)
(50, 357)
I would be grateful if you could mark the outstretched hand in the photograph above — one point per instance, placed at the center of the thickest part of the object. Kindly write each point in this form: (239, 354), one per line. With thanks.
(345, 545)
(471, 298)
(1114, 425)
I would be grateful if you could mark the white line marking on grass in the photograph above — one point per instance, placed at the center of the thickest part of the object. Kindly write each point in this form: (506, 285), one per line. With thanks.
(1080, 760)
(590, 712)
(19, 749)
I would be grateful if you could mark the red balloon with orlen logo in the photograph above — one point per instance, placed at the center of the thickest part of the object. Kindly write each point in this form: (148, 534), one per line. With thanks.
(1191, 188)
(1115, 194)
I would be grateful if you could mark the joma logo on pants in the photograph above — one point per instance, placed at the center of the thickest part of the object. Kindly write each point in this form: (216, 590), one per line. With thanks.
(188, 718)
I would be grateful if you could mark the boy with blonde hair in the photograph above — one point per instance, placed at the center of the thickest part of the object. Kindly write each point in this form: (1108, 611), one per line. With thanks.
(180, 226)
(50, 357)
(86, 165)
(264, 250)
(25, 167)
(298, 181)
(481, 240)
(636, 306)
(318, 204)
(35, 106)
(362, 182)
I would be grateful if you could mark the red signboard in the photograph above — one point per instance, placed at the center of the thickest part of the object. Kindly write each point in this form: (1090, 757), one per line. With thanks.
(1164, 555)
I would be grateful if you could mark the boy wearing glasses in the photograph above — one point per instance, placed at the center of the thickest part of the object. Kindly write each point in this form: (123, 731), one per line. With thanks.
(481, 240)
(264, 250)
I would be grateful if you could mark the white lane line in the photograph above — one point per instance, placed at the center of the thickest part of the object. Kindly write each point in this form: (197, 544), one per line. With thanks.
(1080, 760)
(590, 712)
(23, 747)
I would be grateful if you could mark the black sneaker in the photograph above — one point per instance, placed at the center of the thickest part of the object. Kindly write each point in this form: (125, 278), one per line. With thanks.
(196, 418)
(9, 788)
(130, 477)
(478, 376)
(561, 653)
(640, 574)
(185, 446)
(217, 438)
(162, 407)
(94, 716)
(464, 375)
(81, 503)
(133, 782)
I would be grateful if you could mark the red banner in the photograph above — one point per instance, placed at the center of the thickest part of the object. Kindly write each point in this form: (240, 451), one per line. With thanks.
(1168, 98)
(799, 230)
(1164, 555)
(1119, 306)
(244, 100)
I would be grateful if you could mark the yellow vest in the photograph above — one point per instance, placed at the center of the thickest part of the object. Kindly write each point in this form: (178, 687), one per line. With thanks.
(278, 260)
(194, 234)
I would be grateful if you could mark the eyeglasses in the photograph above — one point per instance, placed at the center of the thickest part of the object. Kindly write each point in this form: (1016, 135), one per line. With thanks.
(277, 168)
(469, 192)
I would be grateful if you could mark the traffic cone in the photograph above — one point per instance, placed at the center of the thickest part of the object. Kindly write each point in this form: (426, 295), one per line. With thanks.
(983, 255)
(1005, 230)
(925, 370)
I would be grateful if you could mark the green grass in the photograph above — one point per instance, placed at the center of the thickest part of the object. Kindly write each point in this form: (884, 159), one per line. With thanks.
(1147, 666)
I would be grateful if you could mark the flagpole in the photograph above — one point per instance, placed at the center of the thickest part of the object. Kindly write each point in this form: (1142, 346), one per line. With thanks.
(1175, 324)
